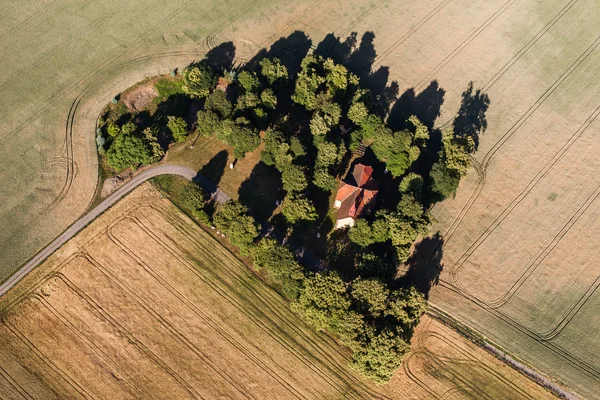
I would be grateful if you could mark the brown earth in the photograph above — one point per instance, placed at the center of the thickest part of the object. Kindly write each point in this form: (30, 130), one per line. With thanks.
(145, 304)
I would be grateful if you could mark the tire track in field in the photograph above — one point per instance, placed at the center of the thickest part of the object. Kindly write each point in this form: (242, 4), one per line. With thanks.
(574, 361)
(94, 72)
(29, 19)
(199, 313)
(14, 384)
(129, 336)
(524, 49)
(407, 35)
(468, 358)
(275, 304)
(209, 253)
(129, 382)
(514, 203)
(58, 371)
(419, 86)
(511, 131)
(174, 332)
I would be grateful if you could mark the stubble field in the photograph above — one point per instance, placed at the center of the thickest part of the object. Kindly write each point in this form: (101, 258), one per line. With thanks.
(520, 259)
(145, 304)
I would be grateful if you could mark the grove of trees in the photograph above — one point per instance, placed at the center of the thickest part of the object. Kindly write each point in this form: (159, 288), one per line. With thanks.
(308, 124)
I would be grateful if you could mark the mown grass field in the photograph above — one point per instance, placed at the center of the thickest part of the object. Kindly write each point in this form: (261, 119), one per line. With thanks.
(145, 304)
(519, 238)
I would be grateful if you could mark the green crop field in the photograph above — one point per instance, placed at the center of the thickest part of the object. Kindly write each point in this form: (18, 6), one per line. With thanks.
(519, 247)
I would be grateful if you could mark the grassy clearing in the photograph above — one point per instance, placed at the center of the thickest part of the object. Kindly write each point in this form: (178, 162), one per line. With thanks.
(143, 299)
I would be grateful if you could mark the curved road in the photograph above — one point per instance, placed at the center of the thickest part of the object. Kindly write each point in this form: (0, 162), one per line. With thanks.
(143, 176)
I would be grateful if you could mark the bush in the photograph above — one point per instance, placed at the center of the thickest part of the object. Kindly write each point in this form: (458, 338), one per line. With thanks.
(168, 87)
(281, 264)
(192, 198)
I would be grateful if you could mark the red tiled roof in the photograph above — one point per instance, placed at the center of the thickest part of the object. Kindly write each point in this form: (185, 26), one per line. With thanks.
(356, 197)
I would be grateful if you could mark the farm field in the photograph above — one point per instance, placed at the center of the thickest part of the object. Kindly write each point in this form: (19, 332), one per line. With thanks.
(520, 264)
(145, 304)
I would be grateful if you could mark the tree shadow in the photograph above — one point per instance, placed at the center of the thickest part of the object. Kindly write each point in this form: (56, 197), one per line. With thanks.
(261, 191)
(221, 57)
(290, 50)
(426, 106)
(213, 170)
(425, 264)
(470, 120)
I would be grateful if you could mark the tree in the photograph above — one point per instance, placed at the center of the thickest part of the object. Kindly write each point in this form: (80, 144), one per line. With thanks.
(327, 155)
(248, 81)
(421, 135)
(208, 123)
(318, 126)
(233, 219)
(198, 80)
(412, 183)
(243, 139)
(297, 208)
(268, 98)
(406, 306)
(272, 140)
(192, 198)
(178, 128)
(358, 112)
(156, 150)
(218, 103)
(380, 355)
(128, 151)
(453, 162)
(293, 178)
(281, 264)
(323, 301)
(273, 70)
(324, 180)
(371, 295)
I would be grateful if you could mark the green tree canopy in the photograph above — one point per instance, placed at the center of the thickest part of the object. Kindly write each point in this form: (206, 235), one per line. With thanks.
(198, 80)
(323, 301)
(208, 123)
(248, 81)
(297, 208)
(218, 103)
(128, 151)
(233, 219)
(178, 128)
(273, 70)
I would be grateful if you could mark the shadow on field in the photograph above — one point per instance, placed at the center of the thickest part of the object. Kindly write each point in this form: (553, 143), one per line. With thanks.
(290, 50)
(221, 57)
(425, 264)
(471, 120)
(214, 169)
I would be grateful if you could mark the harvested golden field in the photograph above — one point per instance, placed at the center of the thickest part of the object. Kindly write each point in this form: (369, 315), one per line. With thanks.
(145, 304)
(519, 238)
